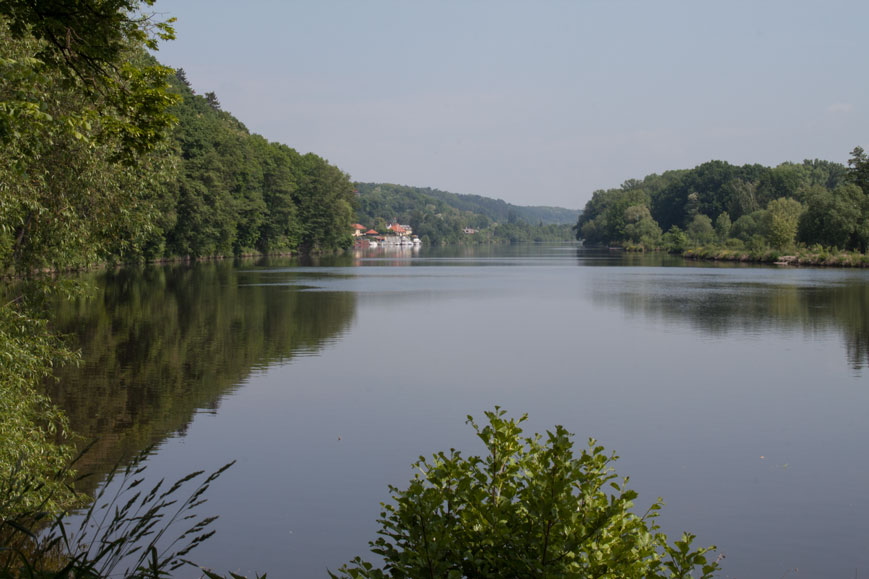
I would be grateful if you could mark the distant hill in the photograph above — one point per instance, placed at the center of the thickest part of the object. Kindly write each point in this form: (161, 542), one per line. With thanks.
(497, 210)
(440, 218)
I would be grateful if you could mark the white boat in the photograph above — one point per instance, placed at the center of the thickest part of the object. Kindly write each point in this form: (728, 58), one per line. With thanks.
(372, 243)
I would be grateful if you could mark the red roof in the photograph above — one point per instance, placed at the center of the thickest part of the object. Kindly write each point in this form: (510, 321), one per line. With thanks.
(370, 232)
(357, 226)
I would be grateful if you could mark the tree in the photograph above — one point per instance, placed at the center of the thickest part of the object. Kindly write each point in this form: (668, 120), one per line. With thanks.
(641, 228)
(859, 169)
(749, 225)
(88, 43)
(785, 180)
(675, 240)
(783, 216)
(605, 217)
(325, 201)
(692, 207)
(182, 78)
(700, 229)
(211, 98)
(526, 509)
(77, 149)
(722, 226)
(741, 198)
(835, 218)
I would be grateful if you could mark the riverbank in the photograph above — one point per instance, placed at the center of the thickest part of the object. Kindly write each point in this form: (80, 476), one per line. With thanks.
(105, 265)
(803, 257)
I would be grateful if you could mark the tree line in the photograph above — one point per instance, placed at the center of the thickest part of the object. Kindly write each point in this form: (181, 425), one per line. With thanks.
(236, 193)
(814, 204)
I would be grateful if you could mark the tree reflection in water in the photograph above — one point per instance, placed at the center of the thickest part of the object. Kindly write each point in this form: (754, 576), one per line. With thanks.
(160, 344)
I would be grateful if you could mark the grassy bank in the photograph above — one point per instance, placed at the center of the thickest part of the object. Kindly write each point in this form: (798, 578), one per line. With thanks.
(815, 256)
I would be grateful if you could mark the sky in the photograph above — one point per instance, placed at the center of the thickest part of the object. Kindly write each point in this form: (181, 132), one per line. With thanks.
(537, 102)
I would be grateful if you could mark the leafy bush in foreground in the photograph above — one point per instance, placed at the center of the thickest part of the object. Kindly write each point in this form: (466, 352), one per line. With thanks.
(526, 509)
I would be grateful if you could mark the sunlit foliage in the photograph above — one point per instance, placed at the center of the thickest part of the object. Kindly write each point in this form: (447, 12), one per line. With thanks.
(529, 507)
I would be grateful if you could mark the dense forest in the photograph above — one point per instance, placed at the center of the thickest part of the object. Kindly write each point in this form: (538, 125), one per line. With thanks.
(237, 193)
(81, 187)
(815, 204)
(440, 218)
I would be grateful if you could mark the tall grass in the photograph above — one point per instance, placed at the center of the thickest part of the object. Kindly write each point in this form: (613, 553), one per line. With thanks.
(127, 531)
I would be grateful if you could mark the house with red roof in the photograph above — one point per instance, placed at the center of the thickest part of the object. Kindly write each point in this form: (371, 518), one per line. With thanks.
(399, 229)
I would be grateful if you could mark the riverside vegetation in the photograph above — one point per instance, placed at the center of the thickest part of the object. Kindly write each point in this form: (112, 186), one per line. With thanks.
(527, 508)
(816, 212)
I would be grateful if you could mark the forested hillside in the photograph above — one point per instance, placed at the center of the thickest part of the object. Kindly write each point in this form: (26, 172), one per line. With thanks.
(813, 203)
(93, 189)
(501, 211)
(238, 193)
(439, 217)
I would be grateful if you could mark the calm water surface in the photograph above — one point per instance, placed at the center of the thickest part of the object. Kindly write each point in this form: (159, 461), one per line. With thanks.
(738, 394)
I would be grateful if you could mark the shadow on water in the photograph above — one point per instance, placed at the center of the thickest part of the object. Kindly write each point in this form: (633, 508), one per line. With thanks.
(160, 344)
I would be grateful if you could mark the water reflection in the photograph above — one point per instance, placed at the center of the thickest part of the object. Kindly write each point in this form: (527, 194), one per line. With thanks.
(162, 343)
(750, 302)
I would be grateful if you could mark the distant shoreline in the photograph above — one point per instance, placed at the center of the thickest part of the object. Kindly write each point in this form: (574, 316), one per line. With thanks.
(771, 257)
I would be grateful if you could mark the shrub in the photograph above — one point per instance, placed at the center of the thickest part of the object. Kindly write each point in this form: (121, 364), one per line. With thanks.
(675, 240)
(526, 509)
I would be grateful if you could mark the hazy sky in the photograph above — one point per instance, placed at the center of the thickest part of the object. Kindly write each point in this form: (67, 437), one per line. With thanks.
(534, 102)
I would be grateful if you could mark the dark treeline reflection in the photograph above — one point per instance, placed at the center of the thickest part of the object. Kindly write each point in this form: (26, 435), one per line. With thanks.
(161, 343)
(717, 307)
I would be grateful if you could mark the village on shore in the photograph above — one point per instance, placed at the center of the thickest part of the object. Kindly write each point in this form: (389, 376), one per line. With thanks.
(396, 235)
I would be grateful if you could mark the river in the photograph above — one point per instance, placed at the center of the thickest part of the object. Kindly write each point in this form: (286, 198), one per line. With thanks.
(737, 393)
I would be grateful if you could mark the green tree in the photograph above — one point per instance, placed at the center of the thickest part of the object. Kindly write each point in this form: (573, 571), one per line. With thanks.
(741, 198)
(604, 219)
(675, 240)
(786, 180)
(722, 226)
(76, 187)
(837, 218)
(783, 215)
(750, 225)
(641, 228)
(858, 172)
(281, 230)
(700, 229)
(528, 508)
(692, 207)
(325, 201)
(88, 43)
